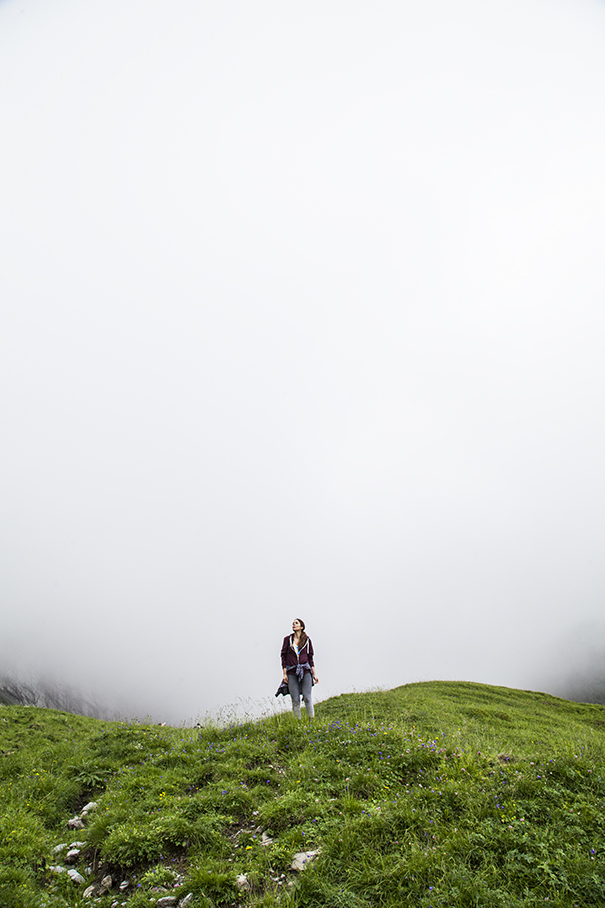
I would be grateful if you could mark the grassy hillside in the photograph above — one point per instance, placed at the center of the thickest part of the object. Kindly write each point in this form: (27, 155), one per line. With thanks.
(437, 794)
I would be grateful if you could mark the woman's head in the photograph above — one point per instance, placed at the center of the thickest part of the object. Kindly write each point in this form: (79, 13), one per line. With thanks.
(298, 629)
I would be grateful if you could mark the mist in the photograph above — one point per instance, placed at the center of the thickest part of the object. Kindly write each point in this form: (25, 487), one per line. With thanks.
(301, 316)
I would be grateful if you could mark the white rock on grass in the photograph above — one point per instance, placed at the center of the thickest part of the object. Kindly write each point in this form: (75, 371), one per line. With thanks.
(166, 901)
(186, 901)
(106, 883)
(60, 847)
(75, 876)
(56, 868)
(242, 882)
(88, 807)
(75, 823)
(90, 891)
(302, 858)
(72, 855)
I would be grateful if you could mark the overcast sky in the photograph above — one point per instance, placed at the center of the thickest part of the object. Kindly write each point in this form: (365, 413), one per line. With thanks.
(302, 315)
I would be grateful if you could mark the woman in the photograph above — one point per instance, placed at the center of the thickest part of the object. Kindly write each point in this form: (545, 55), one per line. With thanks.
(299, 667)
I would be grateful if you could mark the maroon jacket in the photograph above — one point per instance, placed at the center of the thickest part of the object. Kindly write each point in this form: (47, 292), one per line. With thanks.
(289, 658)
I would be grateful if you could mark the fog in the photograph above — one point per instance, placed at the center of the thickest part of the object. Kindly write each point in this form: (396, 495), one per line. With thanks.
(302, 315)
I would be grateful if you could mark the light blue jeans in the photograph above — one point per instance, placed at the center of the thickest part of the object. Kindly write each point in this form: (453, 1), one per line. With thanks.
(301, 688)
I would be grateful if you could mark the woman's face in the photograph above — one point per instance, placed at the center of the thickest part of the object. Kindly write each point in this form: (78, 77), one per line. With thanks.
(296, 626)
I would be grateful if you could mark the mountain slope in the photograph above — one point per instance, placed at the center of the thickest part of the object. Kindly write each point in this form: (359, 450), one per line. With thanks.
(434, 794)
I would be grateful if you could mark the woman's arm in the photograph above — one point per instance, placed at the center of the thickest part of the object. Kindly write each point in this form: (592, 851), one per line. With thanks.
(284, 651)
(284, 654)
(312, 662)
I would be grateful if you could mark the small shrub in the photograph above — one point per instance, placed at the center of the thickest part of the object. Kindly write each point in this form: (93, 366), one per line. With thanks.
(89, 776)
(128, 845)
(213, 881)
(158, 876)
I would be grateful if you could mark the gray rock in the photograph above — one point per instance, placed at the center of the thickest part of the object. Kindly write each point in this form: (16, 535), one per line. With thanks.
(124, 885)
(88, 807)
(242, 882)
(72, 855)
(302, 859)
(77, 844)
(75, 823)
(186, 901)
(266, 839)
(90, 891)
(106, 882)
(166, 901)
(59, 848)
(75, 876)
(56, 868)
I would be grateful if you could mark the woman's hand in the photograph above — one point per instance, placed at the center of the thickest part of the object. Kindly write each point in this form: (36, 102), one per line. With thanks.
(315, 678)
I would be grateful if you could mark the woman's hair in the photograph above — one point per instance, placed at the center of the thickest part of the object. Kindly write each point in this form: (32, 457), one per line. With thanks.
(303, 636)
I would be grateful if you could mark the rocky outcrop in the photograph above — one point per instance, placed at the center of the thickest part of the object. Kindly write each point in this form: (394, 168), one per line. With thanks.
(72, 853)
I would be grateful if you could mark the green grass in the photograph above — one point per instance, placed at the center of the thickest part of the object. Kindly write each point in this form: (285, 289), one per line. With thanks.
(434, 795)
